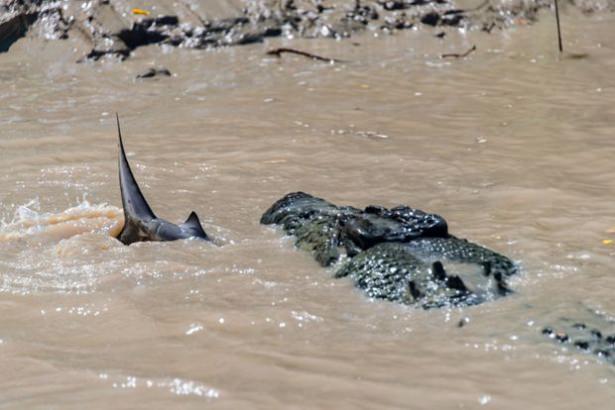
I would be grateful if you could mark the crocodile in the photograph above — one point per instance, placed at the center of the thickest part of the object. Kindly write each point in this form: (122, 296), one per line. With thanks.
(408, 256)
(587, 336)
(400, 254)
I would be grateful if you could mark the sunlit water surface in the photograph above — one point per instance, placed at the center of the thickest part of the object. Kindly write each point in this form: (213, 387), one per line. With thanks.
(514, 145)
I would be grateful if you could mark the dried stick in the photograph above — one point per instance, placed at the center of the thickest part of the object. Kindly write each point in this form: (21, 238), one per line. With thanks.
(278, 52)
(559, 33)
(457, 55)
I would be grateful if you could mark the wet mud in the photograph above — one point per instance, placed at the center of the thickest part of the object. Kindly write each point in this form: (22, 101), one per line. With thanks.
(154, 72)
(113, 28)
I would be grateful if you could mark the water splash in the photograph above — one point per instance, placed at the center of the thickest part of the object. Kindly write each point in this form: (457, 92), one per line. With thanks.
(59, 251)
(29, 222)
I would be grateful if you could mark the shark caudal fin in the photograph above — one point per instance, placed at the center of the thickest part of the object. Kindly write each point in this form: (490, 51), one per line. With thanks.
(135, 206)
(193, 225)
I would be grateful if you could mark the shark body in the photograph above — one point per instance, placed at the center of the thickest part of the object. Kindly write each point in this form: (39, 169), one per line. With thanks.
(140, 222)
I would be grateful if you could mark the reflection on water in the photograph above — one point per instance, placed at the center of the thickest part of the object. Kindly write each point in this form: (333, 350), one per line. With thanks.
(513, 145)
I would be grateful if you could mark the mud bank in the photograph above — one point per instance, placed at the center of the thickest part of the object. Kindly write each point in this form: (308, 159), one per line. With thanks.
(115, 27)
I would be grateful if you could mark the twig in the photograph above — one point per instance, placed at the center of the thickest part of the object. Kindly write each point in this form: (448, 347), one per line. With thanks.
(457, 55)
(278, 53)
(480, 6)
(559, 33)
(487, 28)
(194, 13)
(462, 11)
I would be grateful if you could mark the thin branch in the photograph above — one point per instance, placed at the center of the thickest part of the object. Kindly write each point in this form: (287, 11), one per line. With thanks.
(559, 33)
(278, 53)
(480, 6)
(457, 55)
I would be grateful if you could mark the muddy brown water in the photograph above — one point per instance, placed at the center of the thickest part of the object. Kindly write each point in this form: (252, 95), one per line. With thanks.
(514, 145)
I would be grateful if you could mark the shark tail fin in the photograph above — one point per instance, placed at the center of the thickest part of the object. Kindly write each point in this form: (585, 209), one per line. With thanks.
(135, 206)
(193, 224)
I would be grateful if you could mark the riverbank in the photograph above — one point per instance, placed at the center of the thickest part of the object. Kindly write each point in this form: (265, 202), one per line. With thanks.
(114, 28)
